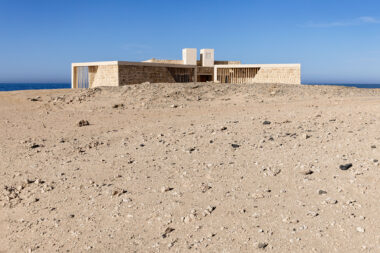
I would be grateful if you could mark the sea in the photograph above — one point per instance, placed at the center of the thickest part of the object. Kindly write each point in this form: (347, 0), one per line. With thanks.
(33, 86)
(43, 86)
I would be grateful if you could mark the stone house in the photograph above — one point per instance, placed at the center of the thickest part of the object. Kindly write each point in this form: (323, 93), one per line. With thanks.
(189, 69)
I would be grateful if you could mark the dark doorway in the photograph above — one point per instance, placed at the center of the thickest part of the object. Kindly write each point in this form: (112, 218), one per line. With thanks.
(204, 78)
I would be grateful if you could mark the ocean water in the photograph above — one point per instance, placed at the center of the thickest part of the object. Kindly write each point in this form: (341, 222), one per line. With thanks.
(33, 86)
(362, 86)
(42, 86)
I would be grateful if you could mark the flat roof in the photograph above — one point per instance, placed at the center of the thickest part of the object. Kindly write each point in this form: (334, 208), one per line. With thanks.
(297, 65)
(155, 64)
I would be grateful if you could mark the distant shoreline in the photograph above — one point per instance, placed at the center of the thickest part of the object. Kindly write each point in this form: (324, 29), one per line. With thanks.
(360, 86)
(49, 86)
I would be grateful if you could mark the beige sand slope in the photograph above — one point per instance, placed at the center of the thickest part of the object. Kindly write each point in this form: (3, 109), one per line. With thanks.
(190, 167)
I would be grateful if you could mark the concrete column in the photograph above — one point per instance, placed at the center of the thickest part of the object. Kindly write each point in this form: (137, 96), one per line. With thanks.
(73, 77)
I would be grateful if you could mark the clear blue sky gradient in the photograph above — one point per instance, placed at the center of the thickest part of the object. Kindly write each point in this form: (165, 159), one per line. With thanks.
(336, 41)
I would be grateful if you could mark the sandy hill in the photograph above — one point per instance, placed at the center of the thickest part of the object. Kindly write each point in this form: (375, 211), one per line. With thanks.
(190, 167)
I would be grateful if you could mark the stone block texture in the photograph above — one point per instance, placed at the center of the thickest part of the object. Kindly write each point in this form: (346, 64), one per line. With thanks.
(123, 74)
(289, 75)
(260, 74)
(103, 75)
(134, 74)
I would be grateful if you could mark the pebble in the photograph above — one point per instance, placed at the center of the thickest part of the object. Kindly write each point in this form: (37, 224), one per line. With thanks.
(38, 98)
(312, 214)
(331, 201)
(29, 181)
(235, 145)
(190, 150)
(168, 230)
(205, 187)
(83, 123)
(322, 192)
(345, 166)
(266, 122)
(307, 172)
(118, 106)
(360, 229)
(35, 145)
(208, 210)
(262, 245)
(186, 219)
(306, 136)
(166, 189)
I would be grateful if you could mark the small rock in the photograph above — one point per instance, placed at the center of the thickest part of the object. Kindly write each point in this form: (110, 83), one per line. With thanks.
(174, 106)
(262, 245)
(345, 166)
(266, 122)
(322, 192)
(205, 187)
(307, 172)
(83, 123)
(35, 145)
(331, 201)
(118, 192)
(29, 181)
(38, 98)
(208, 210)
(373, 146)
(223, 128)
(167, 232)
(360, 229)
(312, 214)
(166, 189)
(235, 145)
(115, 106)
(186, 219)
(306, 136)
(190, 150)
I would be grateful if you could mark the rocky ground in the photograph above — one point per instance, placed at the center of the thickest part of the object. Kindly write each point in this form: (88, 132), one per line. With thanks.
(190, 167)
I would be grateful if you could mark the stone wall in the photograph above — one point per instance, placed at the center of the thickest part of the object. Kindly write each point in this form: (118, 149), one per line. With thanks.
(134, 74)
(103, 75)
(284, 73)
(289, 75)
(205, 71)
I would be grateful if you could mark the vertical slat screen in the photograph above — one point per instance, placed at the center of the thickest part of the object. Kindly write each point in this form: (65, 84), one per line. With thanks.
(236, 75)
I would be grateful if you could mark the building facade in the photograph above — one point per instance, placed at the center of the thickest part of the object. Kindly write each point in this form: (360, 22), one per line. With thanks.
(189, 69)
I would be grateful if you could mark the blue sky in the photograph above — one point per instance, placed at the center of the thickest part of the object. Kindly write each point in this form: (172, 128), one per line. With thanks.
(336, 41)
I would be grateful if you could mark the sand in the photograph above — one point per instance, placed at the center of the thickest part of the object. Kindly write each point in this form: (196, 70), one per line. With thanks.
(190, 168)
